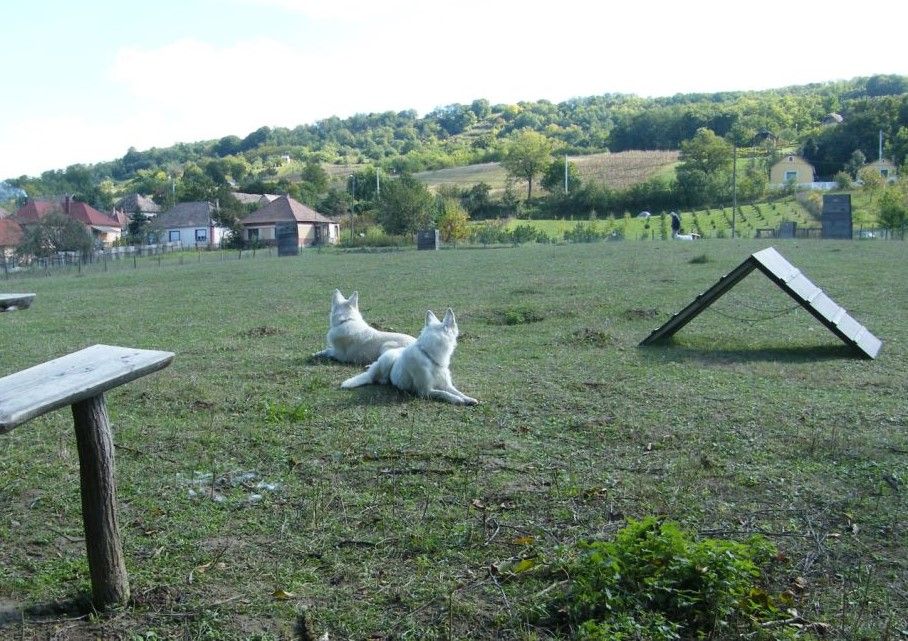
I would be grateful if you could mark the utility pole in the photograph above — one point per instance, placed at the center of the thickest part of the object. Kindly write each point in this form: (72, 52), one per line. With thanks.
(377, 185)
(734, 187)
(565, 174)
(352, 205)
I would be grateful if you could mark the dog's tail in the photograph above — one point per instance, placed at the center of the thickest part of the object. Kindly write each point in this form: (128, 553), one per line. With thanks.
(359, 380)
(378, 372)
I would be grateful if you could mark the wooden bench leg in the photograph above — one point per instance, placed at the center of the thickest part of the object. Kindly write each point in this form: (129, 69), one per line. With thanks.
(109, 582)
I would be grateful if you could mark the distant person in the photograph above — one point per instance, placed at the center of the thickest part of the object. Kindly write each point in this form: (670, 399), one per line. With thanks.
(676, 223)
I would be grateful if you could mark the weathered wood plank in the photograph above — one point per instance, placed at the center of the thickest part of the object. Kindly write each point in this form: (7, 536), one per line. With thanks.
(12, 302)
(72, 378)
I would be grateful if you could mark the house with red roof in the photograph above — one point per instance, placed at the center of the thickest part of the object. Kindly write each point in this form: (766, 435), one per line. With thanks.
(104, 229)
(312, 228)
(10, 236)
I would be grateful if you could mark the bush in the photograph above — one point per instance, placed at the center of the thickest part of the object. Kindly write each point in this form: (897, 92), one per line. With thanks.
(522, 234)
(655, 582)
(585, 233)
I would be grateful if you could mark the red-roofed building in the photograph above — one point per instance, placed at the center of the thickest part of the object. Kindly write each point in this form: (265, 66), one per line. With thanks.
(104, 229)
(312, 227)
(10, 237)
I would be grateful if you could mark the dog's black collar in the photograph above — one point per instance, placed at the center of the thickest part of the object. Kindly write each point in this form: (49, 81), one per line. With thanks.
(346, 320)
(427, 355)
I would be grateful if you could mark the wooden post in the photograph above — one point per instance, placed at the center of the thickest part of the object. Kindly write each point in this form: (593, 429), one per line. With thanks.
(109, 581)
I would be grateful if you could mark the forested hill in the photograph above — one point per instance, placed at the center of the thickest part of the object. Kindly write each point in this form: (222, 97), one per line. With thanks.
(454, 135)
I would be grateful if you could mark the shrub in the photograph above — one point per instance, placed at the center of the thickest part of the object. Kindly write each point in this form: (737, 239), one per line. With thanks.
(522, 234)
(585, 233)
(655, 582)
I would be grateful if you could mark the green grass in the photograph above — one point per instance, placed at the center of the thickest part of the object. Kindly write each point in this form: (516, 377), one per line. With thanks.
(713, 223)
(386, 516)
(617, 170)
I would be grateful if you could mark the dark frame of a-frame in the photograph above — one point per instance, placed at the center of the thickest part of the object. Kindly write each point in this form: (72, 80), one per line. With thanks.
(792, 282)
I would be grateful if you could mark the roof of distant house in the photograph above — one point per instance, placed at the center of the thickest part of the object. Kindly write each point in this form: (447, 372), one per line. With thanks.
(88, 215)
(253, 199)
(285, 209)
(134, 203)
(37, 208)
(10, 233)
(192, 214)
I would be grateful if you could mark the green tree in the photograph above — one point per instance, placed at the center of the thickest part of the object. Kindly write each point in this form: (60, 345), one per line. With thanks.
(855, 162)
(315, 175)
(553, 178)
(706, 152)
(478, 201)
(872, 180)
(138, 224)
(405, 206)
(527, 155)
(704, 174)
(55, 233)
(453, 221)
(893, 209)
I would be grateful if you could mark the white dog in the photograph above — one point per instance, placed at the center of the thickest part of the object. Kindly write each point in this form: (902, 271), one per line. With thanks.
(351, 339)
(424, 367)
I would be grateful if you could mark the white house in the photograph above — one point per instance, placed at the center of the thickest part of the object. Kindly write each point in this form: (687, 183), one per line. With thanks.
(190, 224)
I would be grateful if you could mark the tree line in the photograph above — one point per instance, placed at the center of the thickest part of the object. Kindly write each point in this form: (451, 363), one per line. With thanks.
(707, 128)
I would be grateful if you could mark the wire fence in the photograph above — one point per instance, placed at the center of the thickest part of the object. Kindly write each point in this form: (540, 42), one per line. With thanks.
(124, 258)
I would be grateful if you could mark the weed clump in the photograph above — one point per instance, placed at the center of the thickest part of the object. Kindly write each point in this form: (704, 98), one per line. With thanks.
(516, 315)
(655, 582)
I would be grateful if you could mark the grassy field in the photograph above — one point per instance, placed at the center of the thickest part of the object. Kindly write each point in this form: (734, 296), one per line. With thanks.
(252, 489)
(616, 170)
(709, 223)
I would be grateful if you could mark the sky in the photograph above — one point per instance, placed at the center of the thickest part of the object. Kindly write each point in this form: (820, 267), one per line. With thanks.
(82, 82)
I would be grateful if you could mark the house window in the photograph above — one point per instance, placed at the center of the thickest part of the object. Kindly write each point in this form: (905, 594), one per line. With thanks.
(254, 234)
(201, 235)
(791, 175)
(173, 235)
(884, 173)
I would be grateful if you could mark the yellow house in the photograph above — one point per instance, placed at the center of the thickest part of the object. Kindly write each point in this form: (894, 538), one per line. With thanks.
(886, 168)
(791, 169)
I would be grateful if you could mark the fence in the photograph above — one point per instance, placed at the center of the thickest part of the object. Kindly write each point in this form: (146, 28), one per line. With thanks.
(122, 258)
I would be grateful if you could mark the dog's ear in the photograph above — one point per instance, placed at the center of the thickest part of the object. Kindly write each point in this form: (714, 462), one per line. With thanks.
(431, 318)
(449, 320)
(354, 299)
(338, 298)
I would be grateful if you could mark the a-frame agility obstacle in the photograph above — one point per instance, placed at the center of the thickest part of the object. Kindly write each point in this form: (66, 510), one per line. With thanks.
(793, 283)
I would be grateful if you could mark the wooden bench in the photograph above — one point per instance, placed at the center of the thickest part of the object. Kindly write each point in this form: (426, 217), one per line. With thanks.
(80, 380)
(12, 302)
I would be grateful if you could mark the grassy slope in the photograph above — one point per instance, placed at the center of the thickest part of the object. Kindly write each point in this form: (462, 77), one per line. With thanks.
(713, 223)
(617, 170)
(390, 510)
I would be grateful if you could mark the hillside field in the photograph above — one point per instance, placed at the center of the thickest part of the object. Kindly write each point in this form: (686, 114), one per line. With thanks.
(709, 223)
(253, 489)
(617, 170)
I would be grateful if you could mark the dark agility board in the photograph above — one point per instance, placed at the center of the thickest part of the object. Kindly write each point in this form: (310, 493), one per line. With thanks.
(793, 283)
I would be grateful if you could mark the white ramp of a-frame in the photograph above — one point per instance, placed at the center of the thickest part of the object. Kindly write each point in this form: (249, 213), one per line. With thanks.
(796, 285)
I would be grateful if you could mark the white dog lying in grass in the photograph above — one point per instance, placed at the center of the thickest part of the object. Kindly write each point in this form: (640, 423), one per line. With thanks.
(351, 339)
(423, 367)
